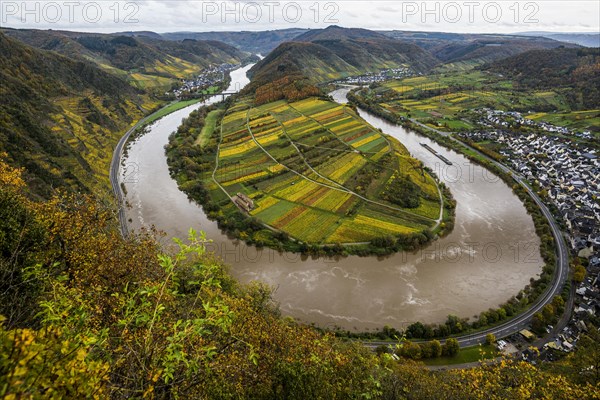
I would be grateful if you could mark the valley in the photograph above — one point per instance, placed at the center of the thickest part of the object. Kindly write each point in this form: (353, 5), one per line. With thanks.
(313, 223)
(409, 285)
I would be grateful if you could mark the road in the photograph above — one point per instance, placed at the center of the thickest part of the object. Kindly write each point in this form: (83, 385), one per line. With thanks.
(114, 173)
(505, 329)
(560, 275)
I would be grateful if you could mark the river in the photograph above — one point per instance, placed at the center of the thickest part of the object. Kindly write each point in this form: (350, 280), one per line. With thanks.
(491, 254)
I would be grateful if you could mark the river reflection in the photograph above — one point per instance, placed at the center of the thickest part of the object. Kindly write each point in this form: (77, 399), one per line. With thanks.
(491, 254)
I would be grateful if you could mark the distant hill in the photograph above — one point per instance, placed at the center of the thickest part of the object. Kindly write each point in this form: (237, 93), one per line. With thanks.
(575, 70)
(338, 52)
(490, 49)
(335, 32)
(254, 42)
(60, 117)
(426, 40)
(474, 48)
(143, 59)
(149, 34)
(586, 39)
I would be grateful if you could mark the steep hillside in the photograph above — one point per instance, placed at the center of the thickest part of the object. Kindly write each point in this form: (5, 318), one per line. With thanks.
(60, 117)
(144, 61)
(309, 59)
(491, 49)
(254, 42)
(374, 54)
(110, 318)
(575, 71)
(338, 52)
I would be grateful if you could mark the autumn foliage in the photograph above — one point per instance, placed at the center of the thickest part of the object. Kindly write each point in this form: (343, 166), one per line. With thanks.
(289, 87)
(118, 318)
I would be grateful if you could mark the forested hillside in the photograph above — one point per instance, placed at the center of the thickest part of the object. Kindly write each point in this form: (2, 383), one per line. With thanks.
(471, 49)
(577, 71)
(69, 97)
(60, 118)
(331, 53)
(145, 62)
(87, 314)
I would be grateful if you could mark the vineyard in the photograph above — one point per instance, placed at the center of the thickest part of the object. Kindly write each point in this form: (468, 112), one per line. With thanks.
(317, 172)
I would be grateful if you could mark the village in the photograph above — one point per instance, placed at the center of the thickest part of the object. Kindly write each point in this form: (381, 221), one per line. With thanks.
(567, 174)
(373, 77)
(509, 119)
(209, 77)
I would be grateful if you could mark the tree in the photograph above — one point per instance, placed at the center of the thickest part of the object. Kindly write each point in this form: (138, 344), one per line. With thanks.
(578, 273)
(586, 359)
(415, 330)
(425, 350)
(483, 319)
(436, 348)
(411, 350)
(34, 361)
(454, 324)
(515, 380)
(537, 323)
(501, 313)
(21, 236)
(382, 349)
(442, 330)
(451, 347)
(559, 304)
(548, 313)
(490, 339)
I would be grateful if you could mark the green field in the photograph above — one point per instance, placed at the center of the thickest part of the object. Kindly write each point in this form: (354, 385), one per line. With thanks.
(178, 105)
(318, 172)
(466, 355)
(578, 120)
(445, 100)
(210, 123)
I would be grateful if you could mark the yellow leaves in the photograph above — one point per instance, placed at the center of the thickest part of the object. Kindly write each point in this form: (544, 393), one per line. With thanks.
(10, 176)
(149, 392)
(517, 380)
(36, 362)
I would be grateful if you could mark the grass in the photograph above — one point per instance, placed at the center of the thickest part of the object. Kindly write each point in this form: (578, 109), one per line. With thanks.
(466, 355)
(210, 90)
(210, 122)
(178, 105)
(578, 120)
(444, 100)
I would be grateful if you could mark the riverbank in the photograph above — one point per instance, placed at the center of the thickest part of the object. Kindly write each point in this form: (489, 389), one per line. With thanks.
(453, 275)
(553, 250)
(192, 165)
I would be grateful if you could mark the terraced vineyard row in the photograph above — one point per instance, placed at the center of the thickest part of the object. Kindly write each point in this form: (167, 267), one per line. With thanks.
(319, 173)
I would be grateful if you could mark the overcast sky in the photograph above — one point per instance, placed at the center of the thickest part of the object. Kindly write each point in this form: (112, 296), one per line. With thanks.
(498, 16)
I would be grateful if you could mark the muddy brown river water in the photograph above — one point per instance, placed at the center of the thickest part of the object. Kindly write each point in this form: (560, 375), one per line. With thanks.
(491, 254)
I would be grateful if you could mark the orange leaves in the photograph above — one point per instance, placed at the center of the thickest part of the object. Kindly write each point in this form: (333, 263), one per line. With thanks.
(290, 87)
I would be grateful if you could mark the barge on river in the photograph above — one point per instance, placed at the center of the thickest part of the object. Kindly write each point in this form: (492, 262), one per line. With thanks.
(438, 155)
